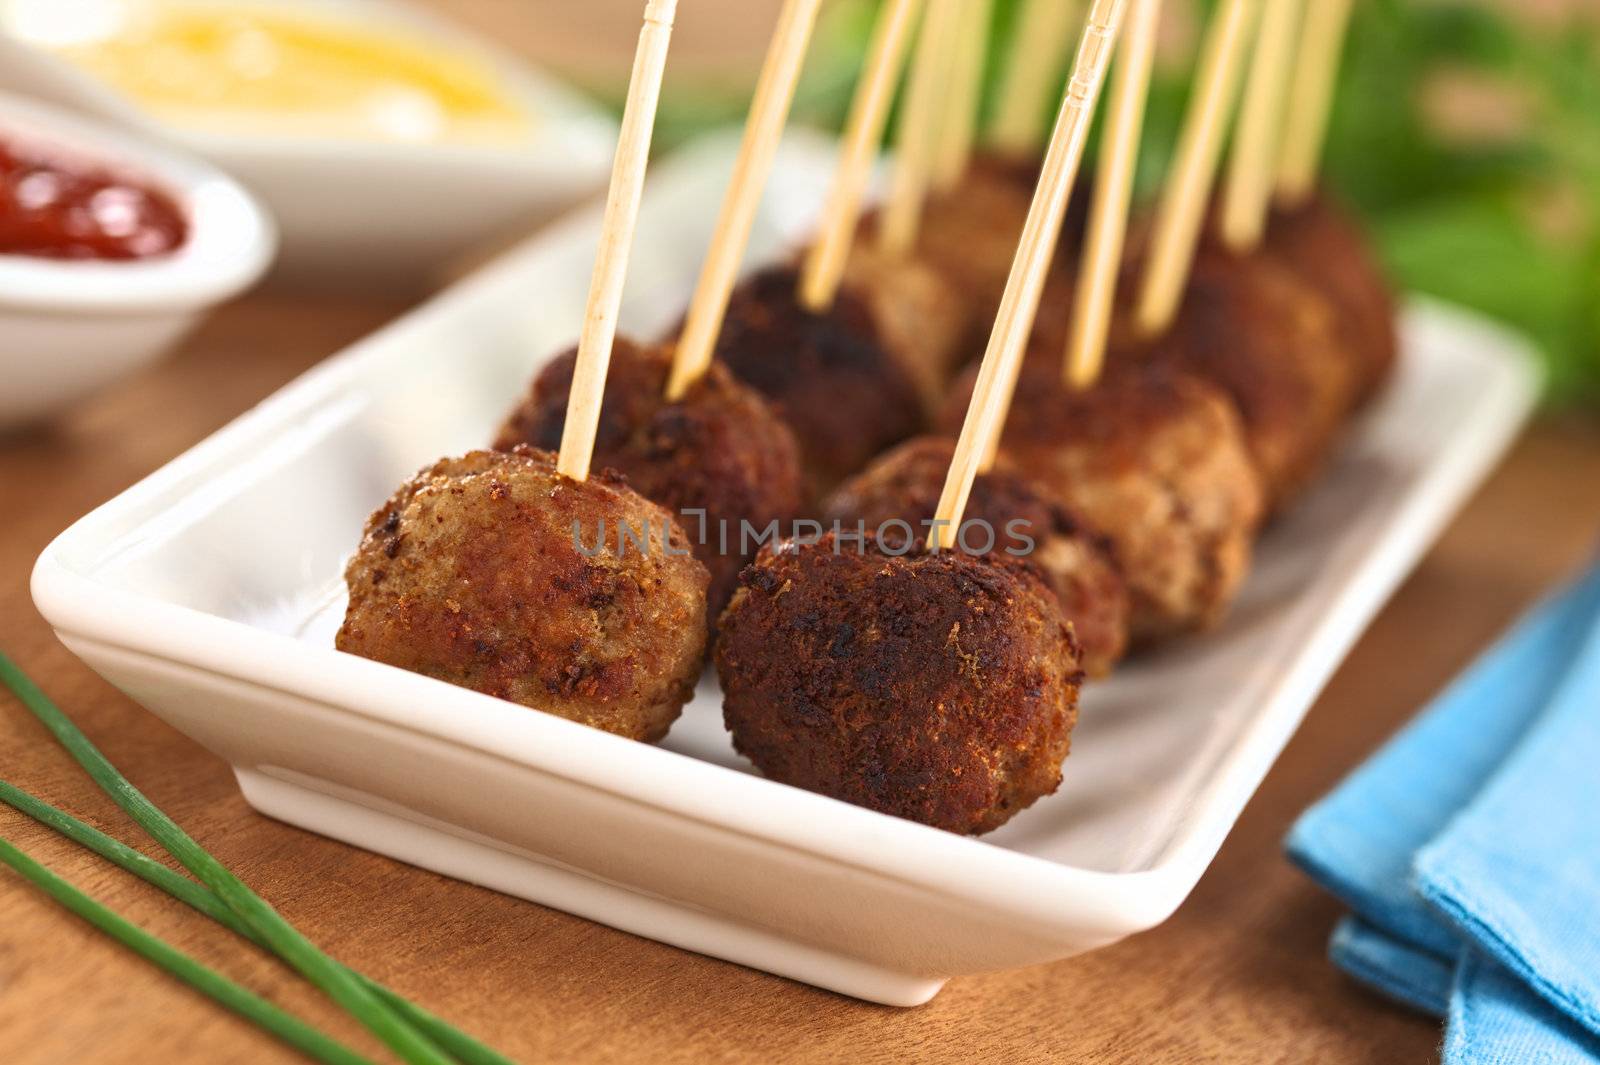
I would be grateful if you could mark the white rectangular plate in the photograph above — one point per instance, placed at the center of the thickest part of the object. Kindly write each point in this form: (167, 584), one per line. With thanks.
(210, 591)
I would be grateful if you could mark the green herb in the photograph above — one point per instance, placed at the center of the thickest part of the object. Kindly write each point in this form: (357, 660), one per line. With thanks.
(254, 1008)
(201, 898)
(329, 976)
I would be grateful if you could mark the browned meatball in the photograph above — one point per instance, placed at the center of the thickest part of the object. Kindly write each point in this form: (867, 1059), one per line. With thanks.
(496, 573)
(1269, 340)
(849, 382)
(905, 485)
(1326, 247)
(716, 458)
(939, 688)
(1155, 460)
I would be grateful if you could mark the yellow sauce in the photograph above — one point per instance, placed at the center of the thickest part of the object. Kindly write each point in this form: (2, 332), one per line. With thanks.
(240, 67)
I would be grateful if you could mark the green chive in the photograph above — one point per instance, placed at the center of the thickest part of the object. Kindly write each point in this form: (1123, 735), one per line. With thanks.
(199, 897)
(337, 982)
(252, 1007)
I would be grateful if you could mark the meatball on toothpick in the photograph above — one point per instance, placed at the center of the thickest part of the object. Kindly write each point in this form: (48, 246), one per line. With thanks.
(1015, 515)
(853, 350)
(479, 572)
(1309, 231)
(519, 575)
(674, 421)
(925, 682)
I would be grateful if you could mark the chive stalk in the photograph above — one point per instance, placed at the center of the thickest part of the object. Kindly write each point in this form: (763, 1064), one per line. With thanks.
(258, 1010)
(199, 897)
(333, 979)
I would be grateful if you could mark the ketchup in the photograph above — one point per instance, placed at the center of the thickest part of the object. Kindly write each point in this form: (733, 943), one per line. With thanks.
(54, 207)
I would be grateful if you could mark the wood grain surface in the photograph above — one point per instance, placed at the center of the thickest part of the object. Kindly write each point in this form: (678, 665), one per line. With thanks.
(1238, 975)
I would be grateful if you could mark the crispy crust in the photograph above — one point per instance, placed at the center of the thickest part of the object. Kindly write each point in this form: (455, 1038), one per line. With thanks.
(472, 574)
(1155, 460)
(906, 484)
(830, 376)
(721, 449)
(938, 688)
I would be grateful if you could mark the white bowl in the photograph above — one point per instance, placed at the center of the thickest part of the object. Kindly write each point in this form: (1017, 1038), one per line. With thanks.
(211, 591)
(69, 327)
(377, 214)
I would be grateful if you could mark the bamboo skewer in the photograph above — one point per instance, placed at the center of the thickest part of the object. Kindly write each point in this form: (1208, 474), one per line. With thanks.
(1031, 67)
(1018, 309)
(1113, 197)
(959, 131)
(1311, 98)
(919, 129)
(616, 241)
(823, 270)
(769, 112)
(1183, 202)
(1247, 194)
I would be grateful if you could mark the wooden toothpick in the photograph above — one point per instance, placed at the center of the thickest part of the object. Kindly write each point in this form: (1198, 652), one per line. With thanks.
(1113, 196)
(1003, 360)
(1247, 193)
(1029, 76)
(1181, 211)
(1311, 98)
(959, 131)
(920, 126)
(769, 112)
(616, 241)
(824, 267)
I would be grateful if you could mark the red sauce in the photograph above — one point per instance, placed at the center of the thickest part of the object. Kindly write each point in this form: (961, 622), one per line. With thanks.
(55, 207)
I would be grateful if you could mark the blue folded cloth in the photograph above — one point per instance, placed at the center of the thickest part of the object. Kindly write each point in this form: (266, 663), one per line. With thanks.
(1409, 974)
(1469, 850)
(1495, 1019)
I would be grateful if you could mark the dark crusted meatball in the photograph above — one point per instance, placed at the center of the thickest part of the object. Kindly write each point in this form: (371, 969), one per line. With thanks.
(1326, 247)
(939, 688)
(854, 380)
(1268, 339)
(1153, 459)
(906, 483)
(488, 571)
(720, 449)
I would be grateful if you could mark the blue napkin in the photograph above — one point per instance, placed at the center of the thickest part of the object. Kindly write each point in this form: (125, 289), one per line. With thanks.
(1495, 1019)
(1406, 973)
(1469, 850)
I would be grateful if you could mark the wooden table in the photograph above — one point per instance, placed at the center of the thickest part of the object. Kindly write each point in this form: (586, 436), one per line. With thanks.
(1237, 975)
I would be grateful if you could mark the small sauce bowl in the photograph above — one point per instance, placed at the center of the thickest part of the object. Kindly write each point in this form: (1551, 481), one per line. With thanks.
(69, 327)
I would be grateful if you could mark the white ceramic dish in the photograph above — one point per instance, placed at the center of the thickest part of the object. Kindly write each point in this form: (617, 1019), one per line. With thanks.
(376, 213)
(69, 328)
(210, 593)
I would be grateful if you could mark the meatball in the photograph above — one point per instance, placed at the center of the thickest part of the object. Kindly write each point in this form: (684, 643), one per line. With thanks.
(1154, 459)
(851, 381)
(495, 572)
(941, 688)
(906, 483)
(1321, 243)
(716, 458)
(1269, 340)
(970, 233)
(922, 319)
